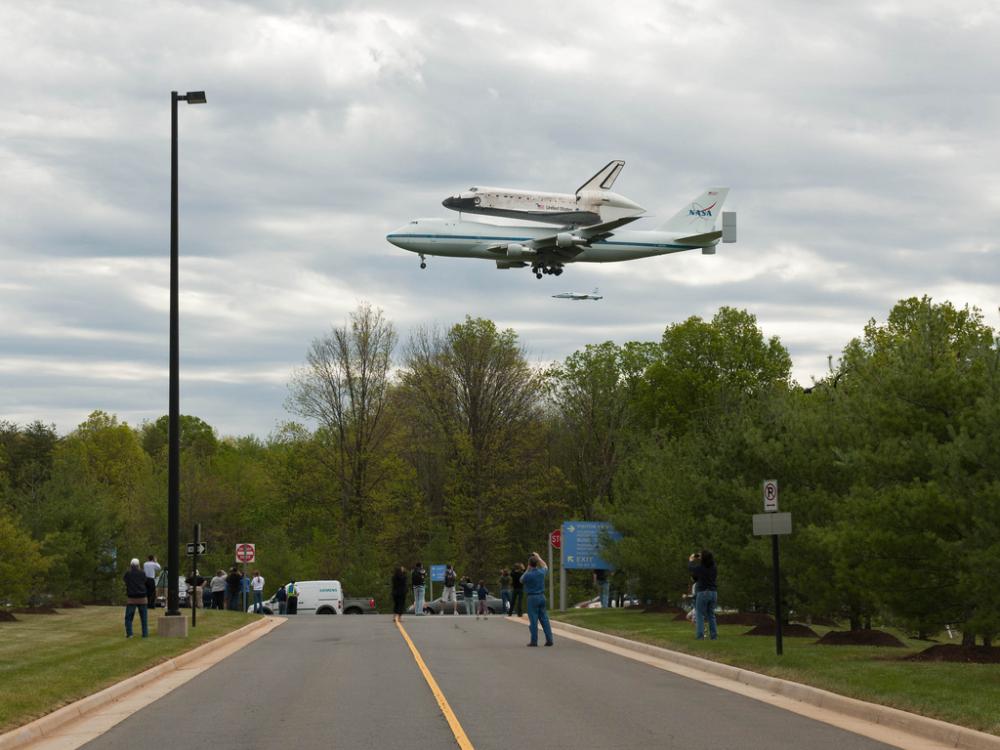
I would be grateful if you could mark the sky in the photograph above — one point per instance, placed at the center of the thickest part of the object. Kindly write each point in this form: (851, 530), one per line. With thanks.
(858, 140)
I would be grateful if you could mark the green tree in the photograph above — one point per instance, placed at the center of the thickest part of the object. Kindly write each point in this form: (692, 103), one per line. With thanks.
(22, 565)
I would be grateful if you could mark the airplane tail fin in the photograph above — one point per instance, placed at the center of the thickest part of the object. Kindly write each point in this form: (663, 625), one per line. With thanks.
(699, 216)
(604, 179)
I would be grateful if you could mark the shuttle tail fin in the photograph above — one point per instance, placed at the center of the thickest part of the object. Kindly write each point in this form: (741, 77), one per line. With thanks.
(604, 179)
(698, 216)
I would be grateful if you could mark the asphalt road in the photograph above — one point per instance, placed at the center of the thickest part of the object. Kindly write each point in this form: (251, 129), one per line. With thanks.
(351, 682)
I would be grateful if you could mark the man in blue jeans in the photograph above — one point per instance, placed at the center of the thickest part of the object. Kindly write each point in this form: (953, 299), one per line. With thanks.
(705, 573)
(135, 591)
(534, 589)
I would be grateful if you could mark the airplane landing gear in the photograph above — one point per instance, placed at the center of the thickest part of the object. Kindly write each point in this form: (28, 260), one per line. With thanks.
(423, 262)
(554, 270)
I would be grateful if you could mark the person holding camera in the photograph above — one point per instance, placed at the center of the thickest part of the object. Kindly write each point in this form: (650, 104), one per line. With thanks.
(705, 573)
(534, 588)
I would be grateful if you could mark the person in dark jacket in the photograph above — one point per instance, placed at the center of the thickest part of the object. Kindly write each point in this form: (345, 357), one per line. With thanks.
(135, 590)
(282, 598)
(517, 590)
(398, 594)
(234, 584)
(418, 588)
(705, 574)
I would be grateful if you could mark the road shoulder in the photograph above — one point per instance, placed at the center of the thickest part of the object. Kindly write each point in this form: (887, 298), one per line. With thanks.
(76, 724)
(882, 723)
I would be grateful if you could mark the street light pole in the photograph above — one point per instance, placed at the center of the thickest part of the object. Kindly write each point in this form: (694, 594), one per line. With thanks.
(174, 432)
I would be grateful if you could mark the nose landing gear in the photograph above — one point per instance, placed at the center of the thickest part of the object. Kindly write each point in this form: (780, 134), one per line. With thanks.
(423, 261)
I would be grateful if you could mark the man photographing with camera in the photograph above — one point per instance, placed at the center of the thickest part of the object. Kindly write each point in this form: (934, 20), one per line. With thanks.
(534, 588)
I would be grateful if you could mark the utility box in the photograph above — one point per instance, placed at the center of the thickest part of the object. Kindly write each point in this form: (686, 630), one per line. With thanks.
(729, 226)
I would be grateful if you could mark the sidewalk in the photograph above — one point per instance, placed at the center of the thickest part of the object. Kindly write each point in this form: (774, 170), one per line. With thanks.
(882, 723)
(78, 723)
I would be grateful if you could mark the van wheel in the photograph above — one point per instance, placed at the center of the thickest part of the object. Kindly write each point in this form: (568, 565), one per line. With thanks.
(352, 611)
(324, 611)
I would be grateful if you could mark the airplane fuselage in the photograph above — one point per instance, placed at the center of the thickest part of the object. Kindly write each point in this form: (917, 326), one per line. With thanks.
(473, 239)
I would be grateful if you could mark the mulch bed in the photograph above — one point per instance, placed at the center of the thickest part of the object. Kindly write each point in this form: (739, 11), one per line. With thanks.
(70, 604)
(6, 616)
(955, 652)
(46, 610)
(662, 609)
(860, 638)
(792, 630)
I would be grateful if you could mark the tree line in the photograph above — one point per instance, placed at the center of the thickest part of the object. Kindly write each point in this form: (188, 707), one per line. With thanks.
(452, 447)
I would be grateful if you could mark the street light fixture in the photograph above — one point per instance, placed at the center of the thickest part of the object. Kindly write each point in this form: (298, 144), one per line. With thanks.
(169, 627)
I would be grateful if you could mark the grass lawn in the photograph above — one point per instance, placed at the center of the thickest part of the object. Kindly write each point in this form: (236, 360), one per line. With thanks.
(47, 661)
(966, 694)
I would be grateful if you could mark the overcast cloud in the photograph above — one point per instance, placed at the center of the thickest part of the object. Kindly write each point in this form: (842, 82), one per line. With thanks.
(859, 139)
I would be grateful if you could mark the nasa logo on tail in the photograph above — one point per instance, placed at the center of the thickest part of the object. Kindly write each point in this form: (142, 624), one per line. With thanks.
(695, 210)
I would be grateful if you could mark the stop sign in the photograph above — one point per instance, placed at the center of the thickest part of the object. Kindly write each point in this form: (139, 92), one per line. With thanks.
(555, 539)
(245, 553)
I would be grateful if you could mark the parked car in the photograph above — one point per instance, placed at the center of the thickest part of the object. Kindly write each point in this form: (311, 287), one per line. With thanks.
(315, 598)
(161, 591)
(354, 605)
(439, 606)
(595, 603)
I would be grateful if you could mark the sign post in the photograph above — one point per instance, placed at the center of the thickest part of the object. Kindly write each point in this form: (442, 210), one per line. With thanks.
(194, 574)
(774, 524)
(555, 542)
(437, 574)
(580, 542)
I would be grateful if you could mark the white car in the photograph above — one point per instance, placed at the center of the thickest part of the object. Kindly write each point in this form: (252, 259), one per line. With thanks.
(315, 598)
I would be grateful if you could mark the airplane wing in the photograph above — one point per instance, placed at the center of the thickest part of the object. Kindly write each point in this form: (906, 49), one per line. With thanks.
(580, 237)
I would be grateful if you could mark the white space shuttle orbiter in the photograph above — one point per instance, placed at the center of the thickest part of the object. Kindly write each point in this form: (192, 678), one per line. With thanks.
(592, 203)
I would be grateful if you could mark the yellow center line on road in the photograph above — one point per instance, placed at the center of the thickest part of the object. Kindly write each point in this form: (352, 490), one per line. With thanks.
(449, 715)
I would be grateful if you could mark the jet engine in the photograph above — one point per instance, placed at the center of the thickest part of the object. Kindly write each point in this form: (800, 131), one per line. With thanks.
(514, 250)
(566, 239)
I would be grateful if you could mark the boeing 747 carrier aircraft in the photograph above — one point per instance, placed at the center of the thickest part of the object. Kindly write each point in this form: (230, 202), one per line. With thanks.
(592, 203)
(546, 251)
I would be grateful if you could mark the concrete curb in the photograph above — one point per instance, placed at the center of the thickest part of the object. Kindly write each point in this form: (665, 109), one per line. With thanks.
(893, 718)
(50, 723)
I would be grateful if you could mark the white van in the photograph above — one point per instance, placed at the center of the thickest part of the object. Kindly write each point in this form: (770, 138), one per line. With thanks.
(315, 598)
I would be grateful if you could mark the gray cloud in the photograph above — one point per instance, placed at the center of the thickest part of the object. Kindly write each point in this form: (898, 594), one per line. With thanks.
(857, 138)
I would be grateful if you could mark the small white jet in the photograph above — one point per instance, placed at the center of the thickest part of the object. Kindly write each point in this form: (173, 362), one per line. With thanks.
(547, 251)
(592, 203)
(577, 296)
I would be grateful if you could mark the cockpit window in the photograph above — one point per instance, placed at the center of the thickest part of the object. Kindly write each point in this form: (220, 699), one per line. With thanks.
(413, 222)
(473, 190)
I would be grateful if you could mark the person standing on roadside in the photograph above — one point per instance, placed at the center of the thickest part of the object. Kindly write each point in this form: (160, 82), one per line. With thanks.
(705, 573)
(234, 584)
(481, 594)
(417, 580)
(152, 569)
(293, 598)
(449, 591)
(517, 590)
(257, 584)
(603, 586)
(218, 586)
(282, 598)
(468, 595)
(398, 594)
(135, 590)
(505, 584)
(534, 588)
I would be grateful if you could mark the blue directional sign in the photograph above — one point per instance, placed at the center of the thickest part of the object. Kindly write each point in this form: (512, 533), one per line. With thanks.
(437, 572)
(581, 544)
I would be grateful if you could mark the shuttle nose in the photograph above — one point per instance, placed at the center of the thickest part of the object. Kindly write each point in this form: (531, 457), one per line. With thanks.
(458, 203)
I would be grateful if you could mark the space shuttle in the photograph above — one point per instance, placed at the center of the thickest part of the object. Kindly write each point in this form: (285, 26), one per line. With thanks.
(592, 203)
